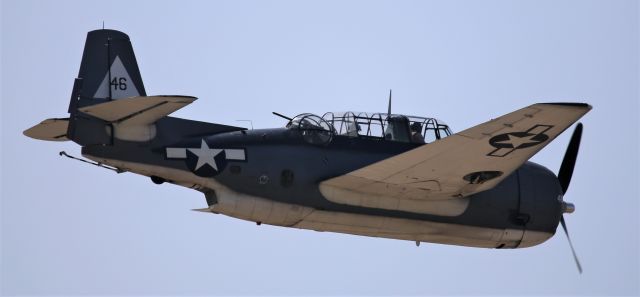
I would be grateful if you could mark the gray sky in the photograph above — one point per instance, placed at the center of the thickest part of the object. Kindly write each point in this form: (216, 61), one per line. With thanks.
(70, 228)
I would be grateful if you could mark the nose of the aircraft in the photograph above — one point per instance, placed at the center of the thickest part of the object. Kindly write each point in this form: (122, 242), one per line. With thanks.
(549, 197)
(541, 197)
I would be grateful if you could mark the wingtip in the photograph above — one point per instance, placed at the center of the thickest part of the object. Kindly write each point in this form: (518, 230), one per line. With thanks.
(573, 104)
(177, 96)
(53, 129)
(202, 209)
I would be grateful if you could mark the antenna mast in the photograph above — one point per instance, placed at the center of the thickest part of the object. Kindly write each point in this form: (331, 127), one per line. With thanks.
(389, 110)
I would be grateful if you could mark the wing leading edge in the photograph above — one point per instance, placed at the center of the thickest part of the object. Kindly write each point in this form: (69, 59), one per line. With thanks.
(436, 178)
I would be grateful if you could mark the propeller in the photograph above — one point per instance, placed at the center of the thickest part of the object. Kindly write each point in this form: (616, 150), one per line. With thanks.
(564, 176)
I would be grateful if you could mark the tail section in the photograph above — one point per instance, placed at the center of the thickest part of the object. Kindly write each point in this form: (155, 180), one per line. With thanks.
(108, 71)
(109, 102)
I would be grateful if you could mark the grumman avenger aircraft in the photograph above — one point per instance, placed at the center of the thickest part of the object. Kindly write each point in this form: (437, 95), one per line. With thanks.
(373, 174)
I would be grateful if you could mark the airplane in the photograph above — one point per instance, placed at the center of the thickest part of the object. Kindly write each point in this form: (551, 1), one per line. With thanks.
(371, 174)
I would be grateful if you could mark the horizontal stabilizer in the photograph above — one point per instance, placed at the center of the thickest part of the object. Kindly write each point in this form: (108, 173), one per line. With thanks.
(141, 110)
(49, 129)
(207, 210)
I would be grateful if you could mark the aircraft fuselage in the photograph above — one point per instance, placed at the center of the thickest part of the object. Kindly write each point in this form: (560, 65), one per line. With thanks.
(272, 176)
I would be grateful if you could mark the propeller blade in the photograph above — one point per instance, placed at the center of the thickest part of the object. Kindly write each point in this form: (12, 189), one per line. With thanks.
(569, 161)
(575, 257)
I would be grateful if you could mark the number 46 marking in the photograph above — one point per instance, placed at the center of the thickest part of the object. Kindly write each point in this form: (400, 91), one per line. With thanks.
(119, 83)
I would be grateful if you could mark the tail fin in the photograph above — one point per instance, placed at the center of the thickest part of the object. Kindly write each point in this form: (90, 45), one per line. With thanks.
(109, 69)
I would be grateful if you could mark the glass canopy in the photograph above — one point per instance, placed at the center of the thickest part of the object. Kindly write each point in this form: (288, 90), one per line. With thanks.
(394, 127)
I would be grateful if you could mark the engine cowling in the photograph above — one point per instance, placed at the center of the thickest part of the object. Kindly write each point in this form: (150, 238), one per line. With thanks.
(541, 204)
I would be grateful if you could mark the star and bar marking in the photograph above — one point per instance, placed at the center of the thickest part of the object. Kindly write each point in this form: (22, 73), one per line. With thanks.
(206, 156)
(506, 143)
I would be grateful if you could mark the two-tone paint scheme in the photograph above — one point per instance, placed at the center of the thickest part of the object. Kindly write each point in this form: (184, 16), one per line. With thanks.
(256, 189)
(473, 188)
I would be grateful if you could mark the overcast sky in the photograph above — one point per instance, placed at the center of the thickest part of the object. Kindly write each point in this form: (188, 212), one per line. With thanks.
(71, 228)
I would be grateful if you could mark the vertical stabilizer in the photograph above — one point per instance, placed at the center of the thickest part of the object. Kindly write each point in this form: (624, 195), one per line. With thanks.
(109, 69)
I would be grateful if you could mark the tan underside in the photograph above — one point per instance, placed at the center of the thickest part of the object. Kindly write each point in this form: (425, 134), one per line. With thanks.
(50, 130)
(256, 209)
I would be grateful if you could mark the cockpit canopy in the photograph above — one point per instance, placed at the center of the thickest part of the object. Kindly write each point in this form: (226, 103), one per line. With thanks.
(313, 128)
(394, 127)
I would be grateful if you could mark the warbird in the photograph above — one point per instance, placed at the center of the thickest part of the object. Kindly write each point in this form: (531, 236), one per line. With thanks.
(373, 174)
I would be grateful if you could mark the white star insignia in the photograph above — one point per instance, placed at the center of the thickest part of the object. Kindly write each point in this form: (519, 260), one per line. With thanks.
(516, 141)
(205, 155)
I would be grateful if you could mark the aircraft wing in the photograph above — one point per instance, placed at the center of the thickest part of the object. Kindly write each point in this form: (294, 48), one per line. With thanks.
(435, 178)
